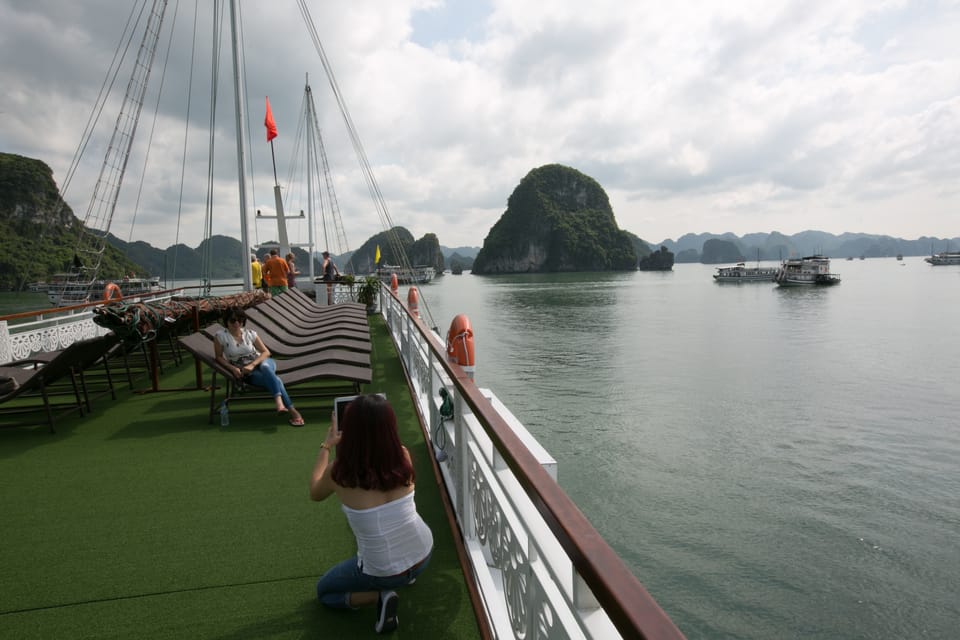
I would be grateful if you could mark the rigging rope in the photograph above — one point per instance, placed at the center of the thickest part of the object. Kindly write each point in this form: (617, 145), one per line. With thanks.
(366, 169)
(246, 98)
(206, 255)
(105, 89)
(186, 138)
(153, 127)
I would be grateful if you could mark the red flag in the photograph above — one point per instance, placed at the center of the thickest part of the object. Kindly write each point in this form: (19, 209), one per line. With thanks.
(270, 124)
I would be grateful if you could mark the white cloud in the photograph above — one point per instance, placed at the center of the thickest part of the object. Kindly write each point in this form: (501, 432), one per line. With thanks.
(694, 116)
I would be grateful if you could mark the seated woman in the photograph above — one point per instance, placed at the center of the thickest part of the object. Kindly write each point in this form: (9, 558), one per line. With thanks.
(374, 479)
(242, 352)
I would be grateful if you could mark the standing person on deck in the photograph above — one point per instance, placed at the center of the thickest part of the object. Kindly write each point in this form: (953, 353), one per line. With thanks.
(293, 272)
(263, 263)
(256, 272)
(275, 273)
(373, 477)
(329, 269)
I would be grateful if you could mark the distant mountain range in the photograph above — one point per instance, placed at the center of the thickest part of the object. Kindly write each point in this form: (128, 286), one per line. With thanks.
(776, 246)
(687, 248)
(189, 261)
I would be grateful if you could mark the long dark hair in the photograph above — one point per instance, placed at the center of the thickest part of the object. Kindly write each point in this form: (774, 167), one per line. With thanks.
(235, 313)
(369, 455)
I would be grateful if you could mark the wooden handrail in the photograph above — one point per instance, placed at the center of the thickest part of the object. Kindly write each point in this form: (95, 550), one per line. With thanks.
(87, 305)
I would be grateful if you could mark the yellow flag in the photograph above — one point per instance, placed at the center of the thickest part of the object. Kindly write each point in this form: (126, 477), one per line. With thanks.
(376, 259)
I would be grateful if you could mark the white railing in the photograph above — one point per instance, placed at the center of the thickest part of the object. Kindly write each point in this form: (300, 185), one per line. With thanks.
(46, 333)
(529, 585)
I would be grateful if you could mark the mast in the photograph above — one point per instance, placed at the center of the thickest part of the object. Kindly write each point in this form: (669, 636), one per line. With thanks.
(310, 163)
(241, 146)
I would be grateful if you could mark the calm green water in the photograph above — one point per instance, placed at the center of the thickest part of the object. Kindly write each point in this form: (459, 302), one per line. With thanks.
(771, 463)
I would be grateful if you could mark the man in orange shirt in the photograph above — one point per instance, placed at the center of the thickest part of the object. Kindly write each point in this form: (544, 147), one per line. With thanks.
(275, 273)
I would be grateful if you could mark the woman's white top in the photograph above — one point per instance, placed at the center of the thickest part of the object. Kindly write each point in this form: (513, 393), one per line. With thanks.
(242, 352)
(391, 538)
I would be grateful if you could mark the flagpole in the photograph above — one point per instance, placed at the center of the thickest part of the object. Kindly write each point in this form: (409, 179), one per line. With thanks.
(271, 125)
(273, 157)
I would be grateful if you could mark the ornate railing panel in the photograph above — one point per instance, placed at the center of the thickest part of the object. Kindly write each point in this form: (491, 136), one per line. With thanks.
(46, 333)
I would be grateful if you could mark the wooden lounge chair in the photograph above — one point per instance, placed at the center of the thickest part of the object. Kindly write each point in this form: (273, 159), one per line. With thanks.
(37, 374)
(351, 376)
(297, 328)
(280, 309)
(290, 310)
(292, 341)
(281, 349)
(306, 358)
(309, 304)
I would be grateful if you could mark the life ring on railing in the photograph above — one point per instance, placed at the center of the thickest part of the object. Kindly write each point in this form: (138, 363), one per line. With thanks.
(394, 283)
(112, 291)
(413, 302)
(460, 343)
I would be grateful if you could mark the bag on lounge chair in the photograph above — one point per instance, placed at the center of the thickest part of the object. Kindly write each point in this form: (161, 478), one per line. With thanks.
(7, 385)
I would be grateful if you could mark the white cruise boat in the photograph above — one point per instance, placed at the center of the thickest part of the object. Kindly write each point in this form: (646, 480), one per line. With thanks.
(418, 274)
(807, 271)
(947, 257)
(66, 289)
(742, 273)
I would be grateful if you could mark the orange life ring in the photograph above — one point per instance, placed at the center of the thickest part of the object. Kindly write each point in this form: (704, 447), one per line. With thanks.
(110, 290)
(413, 302)
(394, 283)
(460, 343)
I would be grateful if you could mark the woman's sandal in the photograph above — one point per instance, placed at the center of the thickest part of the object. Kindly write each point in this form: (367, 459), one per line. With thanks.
(297, 422)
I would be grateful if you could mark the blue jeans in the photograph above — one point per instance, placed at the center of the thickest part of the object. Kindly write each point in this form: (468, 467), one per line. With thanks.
(336, 585)
(265, 375)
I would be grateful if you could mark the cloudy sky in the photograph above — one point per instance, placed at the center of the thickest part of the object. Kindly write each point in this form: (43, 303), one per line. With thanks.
(693, 116)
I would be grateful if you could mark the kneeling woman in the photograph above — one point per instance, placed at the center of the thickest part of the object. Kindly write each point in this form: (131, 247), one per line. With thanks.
(242, 352)
(374, 479)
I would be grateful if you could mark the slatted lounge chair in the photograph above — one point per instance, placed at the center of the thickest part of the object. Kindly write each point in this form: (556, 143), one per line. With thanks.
(36, 375)
(266, 325)
(307, 307)
(299, 329)
(297, 314)
(351, 376)
(310, 304)
(279, 309)
(280, 349)
(306, 359)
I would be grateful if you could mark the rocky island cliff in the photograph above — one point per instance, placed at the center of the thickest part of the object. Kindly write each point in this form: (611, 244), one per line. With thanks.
(557, 219)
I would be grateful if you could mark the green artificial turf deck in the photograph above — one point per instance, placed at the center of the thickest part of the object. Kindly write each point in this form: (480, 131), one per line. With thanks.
(144, 521)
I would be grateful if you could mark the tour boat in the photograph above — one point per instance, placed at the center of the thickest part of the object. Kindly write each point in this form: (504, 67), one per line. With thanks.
(944, 258)
(67, 289)
(418, 274)
(808, 271)
(742, 273)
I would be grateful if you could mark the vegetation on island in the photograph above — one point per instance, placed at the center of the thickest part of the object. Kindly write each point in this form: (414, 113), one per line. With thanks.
(423, 252)
(38, 230)
(661, 260)
(557, 219)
